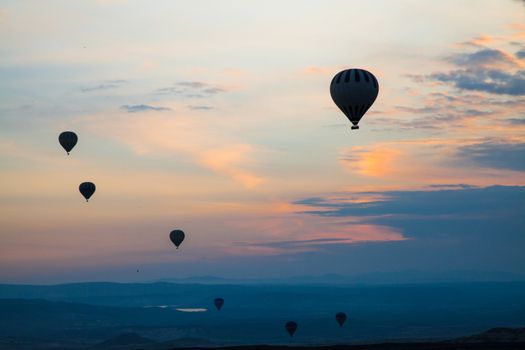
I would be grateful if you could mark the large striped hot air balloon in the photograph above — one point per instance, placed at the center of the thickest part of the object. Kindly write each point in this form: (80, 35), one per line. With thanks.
(354, 91)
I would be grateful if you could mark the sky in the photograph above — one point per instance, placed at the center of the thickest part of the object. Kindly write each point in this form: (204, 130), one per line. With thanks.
(215, 117)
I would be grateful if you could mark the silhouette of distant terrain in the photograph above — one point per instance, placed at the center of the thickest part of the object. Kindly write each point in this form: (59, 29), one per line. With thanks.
(147, 316)
(497, 335)
(127, 340)
(391, 346)
(493, 339)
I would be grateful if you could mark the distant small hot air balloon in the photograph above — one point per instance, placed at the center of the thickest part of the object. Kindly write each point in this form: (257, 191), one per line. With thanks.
(340, 317)
(87, 189)
(68, 140)
(354, 91)
(177, 236)
(291, 327)
(219, 302)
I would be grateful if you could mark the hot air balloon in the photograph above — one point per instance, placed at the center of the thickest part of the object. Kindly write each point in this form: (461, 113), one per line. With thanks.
(68, 140)
(354, 91)
(87, 189)
(177, 236)
(340, 317)
(219, 302)
(291, 327)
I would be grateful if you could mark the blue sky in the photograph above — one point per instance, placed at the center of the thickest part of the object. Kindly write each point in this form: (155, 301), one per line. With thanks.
(215, 117)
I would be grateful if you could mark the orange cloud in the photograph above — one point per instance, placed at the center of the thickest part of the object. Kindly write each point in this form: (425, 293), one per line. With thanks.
(320, 70)
(195, 139)
(424, 162)
(520, 31)
(229, 160)
(377, 161)
(482, 40)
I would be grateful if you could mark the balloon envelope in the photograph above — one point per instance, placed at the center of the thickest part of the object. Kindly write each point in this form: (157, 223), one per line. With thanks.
(219, 302)
(176, 237)
(291, 327)
(68, 140)
(354, 91)
(87, 189)
(340, 317)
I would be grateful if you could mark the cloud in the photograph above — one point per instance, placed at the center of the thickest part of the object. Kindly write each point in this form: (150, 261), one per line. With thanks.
(191, 89)
(521, 54)
(497, 155)
(305, 245)
(434, 211)
(481, 40)
(491, 81)
(303, 232)
(375, 161)
(226, 160)
(488, 70)
(442, 109)
(193, 84)
(200, 107)
(484, 85)
(493, 71)
(485, 58)
(203, 142)
(445, 229)
(420, 162)
(282, 228)
(430, 161)
(106, 85)
(516, 121)
(320, 70)
(143, 108)
(451, 186)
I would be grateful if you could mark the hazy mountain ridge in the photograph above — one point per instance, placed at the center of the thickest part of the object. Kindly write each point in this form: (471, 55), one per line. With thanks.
(386, 277)
(497, 335)
(126, 340)
(89, 314)
(492, 339)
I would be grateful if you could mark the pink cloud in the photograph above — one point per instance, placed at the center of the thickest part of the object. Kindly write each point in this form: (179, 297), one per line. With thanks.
(278, 234)
(425, 162)
(153, 135)
(481, 40)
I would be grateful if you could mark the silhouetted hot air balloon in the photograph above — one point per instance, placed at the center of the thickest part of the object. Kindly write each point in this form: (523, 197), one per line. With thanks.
(354, 91)
(177, 236)
(87, 189)
(291, 327)
(68, 140)
(219, 302)
(340, 317)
